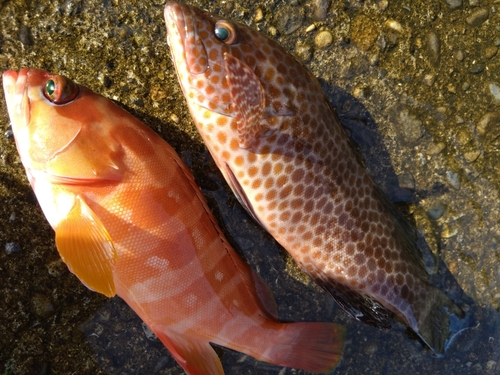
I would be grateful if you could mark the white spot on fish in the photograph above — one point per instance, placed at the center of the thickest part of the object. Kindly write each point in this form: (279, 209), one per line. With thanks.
(157, 262)
(191, 299)
(219, 276)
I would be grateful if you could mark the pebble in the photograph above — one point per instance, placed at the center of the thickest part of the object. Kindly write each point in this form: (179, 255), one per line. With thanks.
(406, 181)
(454, 4)
(9, 134)
(472, 156)
(259, 15)
(453, 179)
(320, 9)
(323, 39)
(436, 211)
(410, 127)
(394, 26)
(364, 32)
(477, 67)
(429, 79)
(303, 51)
(495, 90)
(490, 52)
(477, 18)
(12, 248)
(290, 19)
(459, 55)
(174, 118)
(491, 365)
(25, 35)
(489, 122)
(433, 47)
(150, 335)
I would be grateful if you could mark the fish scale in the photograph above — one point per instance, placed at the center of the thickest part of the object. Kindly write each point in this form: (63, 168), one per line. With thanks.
(284, 153)
(130, 220)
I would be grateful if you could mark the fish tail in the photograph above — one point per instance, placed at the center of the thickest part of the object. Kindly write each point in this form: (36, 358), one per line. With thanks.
(314, 347)
(433, 325)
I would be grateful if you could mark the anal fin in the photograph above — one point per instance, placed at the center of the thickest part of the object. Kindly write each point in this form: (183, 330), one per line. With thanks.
(197, 357)
(358, 305)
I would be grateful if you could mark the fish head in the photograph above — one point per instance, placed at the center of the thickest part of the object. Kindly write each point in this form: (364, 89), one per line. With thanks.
(216, 59)
(57, 128)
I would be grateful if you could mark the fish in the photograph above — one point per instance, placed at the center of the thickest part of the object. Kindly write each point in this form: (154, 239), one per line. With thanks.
(129, 220)
(284, 153)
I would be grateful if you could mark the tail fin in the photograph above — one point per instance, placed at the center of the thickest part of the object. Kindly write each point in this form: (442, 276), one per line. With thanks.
(314, 347)
(434, 322)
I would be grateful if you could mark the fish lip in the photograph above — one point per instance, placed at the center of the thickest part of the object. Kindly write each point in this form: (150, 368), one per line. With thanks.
(177, 17)
(15, 87)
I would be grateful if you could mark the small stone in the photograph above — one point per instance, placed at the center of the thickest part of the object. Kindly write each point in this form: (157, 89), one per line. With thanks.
(451, 88)
(453, 179)
(374, 59)
(310, 28)
(157, 93)
(465, 86)
(410, 127)
(429, 79)
(491, 365)
(259, 15)
(448, 231)
(488, 123)
(9, 134)
(174, 118)
(303, 51)
(453, 4)
(364, 32)
(12, 248)
(490, 52)
(459, 55)
(361, 92)
(56, 268)
(148, 332)
(472, 156)
(477, 67)
(323, 39)
(25, 35)
(290, 19)
(320, 9)
(394, 26)
(477, 18)
(436, 211)
(436, 148)
(433, 47)
(495, 90)
(406, 181)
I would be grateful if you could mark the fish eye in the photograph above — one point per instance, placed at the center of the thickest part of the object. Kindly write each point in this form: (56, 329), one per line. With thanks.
(226, 32)
(60, 90)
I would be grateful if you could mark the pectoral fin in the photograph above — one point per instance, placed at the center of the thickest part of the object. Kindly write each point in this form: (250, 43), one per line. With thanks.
(195, 356)
(86, 247)
(248, 97)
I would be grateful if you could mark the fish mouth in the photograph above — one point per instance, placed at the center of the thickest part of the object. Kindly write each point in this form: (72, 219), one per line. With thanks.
(15, 87)
(181, 22)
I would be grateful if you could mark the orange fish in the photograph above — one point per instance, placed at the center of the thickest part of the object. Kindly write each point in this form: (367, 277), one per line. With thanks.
(130, 220)
(283, 151)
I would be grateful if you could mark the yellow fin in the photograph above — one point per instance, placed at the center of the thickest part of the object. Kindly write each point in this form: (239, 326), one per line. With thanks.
(86, 248)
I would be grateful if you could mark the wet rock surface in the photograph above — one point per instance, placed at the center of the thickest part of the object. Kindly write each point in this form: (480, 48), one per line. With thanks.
(417, 87)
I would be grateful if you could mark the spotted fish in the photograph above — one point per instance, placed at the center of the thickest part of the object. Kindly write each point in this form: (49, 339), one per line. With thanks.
(130, 220)
(284, 153)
